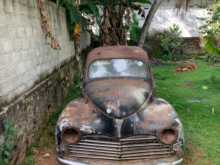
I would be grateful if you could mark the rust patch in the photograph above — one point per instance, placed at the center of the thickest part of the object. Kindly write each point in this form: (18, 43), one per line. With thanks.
(158, 115)
(78, 113)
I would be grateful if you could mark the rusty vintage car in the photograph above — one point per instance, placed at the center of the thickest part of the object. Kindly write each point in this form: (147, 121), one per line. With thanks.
(119, 121)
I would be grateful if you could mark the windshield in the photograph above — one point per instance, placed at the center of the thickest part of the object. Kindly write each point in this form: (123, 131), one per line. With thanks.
(117, 68)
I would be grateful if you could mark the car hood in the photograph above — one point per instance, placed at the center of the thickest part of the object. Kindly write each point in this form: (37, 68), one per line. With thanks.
(118, 98)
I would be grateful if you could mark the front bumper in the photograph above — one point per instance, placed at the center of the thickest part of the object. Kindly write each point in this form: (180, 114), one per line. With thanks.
(166, 161)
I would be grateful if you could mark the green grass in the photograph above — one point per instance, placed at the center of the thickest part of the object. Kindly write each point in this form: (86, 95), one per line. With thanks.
(196, 98)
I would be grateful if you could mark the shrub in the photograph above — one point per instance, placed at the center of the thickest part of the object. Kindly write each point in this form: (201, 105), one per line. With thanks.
(211, 32)
(171, 44)
(135, 31)
(7, 147)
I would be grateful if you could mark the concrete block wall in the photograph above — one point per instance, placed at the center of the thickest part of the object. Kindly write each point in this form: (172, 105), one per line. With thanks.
(25, 55)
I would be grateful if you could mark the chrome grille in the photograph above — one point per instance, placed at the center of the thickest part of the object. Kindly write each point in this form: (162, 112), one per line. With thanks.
(132, 148)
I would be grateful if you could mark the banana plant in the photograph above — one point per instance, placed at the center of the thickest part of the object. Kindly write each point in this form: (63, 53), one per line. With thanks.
(110, 15)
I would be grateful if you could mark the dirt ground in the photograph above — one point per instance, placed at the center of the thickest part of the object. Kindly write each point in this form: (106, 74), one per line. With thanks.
(45, 157)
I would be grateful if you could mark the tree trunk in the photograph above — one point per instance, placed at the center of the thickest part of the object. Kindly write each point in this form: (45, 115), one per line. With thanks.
(112, 29)
(144, 32)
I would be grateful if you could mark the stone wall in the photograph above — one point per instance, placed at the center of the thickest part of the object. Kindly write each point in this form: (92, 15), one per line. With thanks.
(29, 112)
(34, 78)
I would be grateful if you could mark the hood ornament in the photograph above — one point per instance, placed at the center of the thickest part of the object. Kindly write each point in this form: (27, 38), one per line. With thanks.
(109, 110)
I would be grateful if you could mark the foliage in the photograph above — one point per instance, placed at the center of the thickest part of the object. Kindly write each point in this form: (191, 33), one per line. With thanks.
(197, 106)
(7, 147)
(115, 27)
(74, 12)
(211, 31)
(135, 30)
(89, 12)
(29, 160)
(171, 44)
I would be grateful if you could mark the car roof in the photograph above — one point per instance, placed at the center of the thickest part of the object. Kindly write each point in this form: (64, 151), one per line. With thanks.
(117, 52)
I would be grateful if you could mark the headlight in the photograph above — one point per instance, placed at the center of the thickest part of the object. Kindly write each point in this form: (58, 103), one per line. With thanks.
(70, 136)
(168, 136)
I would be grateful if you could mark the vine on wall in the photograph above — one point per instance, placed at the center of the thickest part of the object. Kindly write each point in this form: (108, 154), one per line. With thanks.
(46, 26)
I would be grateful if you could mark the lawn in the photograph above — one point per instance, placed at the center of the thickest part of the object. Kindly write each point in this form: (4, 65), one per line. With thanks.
(196, 97)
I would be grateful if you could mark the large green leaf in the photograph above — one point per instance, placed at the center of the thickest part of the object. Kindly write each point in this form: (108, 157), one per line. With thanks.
(92, 9)
(210, 46)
